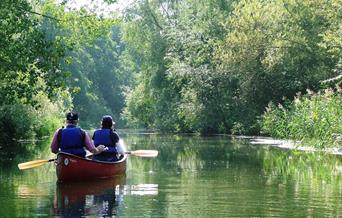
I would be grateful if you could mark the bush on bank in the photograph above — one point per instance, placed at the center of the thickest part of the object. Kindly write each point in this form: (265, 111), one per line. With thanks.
(314, 119)
(22, 122)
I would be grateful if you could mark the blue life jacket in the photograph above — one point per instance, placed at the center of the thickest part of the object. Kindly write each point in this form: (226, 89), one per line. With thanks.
(71, 140)
(103, 137)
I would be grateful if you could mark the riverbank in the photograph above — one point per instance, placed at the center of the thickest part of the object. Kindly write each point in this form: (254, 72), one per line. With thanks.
(293, 145)
(314, 119)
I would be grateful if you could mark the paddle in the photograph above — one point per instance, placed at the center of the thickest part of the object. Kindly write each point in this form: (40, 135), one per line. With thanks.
(143, 153)
(37, 163)
(32, 164)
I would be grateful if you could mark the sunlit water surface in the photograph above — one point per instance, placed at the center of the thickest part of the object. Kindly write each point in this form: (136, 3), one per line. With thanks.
(193, 176)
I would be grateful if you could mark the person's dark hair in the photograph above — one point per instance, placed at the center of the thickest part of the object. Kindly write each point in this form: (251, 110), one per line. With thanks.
(107, 122)
(72, 117)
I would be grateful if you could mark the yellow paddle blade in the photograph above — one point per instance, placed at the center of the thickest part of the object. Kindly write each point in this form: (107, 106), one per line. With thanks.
(32, 164)
(144, 153)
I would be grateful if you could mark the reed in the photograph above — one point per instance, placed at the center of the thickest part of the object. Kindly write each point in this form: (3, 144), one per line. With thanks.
(314, 119)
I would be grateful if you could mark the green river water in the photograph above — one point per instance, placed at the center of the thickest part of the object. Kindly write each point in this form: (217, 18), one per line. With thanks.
(192, 176)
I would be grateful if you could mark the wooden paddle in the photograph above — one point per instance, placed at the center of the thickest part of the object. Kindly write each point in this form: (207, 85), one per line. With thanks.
(143, 153)
(32, 164)
(37, 163)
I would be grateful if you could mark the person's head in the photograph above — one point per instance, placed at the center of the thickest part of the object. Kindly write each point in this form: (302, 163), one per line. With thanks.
(107, 122)
(71, 118)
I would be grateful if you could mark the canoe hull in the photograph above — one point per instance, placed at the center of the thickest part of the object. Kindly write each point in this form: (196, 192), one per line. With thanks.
(73, 168)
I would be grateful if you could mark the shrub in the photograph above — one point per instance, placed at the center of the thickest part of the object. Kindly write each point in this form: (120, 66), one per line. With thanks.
(22, 122)
(314, 118)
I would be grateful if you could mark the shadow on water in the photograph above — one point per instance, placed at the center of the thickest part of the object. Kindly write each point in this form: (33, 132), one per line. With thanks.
(13, 152)
(99, 197)
(10, 150)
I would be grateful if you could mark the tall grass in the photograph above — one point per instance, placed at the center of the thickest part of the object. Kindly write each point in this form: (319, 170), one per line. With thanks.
(314, 118)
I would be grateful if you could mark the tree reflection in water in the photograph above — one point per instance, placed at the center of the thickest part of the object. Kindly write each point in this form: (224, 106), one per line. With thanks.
(313, 166)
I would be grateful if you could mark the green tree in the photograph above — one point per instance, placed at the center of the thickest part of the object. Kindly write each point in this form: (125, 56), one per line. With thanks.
(97, 81)
(174, 41)
(274, 48)
(25, 55)
(31, 84)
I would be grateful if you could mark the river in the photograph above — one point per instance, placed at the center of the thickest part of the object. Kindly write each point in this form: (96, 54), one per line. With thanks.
(193, 176)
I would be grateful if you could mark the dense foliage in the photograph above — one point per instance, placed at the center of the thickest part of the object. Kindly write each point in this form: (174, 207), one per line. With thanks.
(30, 90)
(178, 87)
(26, 56)
(97, 79)
(314, 118)
(38, 39)
(213, 66)
(178, 66)
(91, 60)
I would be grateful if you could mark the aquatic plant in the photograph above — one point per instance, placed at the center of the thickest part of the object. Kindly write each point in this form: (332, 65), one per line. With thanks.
(313, 118)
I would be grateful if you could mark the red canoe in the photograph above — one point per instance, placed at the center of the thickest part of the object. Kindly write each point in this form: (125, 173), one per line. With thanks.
(72, 168)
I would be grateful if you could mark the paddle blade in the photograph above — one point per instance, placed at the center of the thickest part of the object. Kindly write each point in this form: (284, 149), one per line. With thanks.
(144, 153)
(32, 164)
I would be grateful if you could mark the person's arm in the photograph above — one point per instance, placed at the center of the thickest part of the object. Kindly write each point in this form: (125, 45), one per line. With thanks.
(91, 147)
(114, 136)
(54, 143)
(120, 147)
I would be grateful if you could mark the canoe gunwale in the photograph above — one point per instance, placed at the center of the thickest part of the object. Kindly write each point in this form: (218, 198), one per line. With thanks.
(91, 160)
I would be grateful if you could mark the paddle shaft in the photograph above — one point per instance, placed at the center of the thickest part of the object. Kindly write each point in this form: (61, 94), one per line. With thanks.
(34, 163)
(143, 153)
(37, 163)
